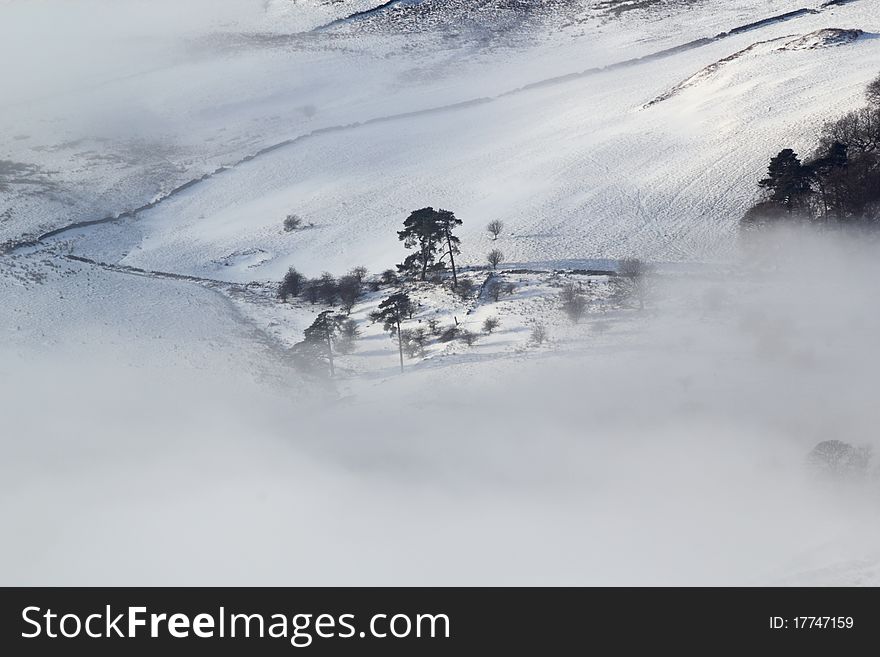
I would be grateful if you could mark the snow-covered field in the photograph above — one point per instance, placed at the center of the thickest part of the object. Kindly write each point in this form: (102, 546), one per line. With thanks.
(148, 158)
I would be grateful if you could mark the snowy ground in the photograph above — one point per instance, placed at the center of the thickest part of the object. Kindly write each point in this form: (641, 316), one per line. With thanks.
(146, 358)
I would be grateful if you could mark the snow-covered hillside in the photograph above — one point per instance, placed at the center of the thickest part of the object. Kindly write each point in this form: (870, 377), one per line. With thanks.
(590, 139)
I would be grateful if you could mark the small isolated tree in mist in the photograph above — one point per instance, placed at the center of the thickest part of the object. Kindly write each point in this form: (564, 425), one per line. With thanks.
(292, 222)
(490, 324)
(574, 304)
(539, 334)
(392, 312)
(468, 337)
(414, 341)
(637, 273)
(419, 337)
(348, 335)
(836, 459)
(494, 258)
(494, 228)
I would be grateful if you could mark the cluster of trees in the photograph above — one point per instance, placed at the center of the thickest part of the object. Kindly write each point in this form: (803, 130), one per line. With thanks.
(839, 181)
(430, 234)
(326, 289)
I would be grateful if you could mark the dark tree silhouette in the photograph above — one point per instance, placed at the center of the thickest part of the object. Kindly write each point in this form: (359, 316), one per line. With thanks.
(494, 257)
(392, 312)
(421, 231)
(449, 222)
(788, 181)
(312, 290)
(872, 93)
(829, 178)
(291, 284)
(429, 231)
(329, 288)
(349, 291)
(494, 228)
(321, 333)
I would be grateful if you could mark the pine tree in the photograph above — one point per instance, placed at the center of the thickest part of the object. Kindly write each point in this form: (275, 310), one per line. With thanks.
(320, 334)
(787, 179)
(430, 231)
(448, 222)
(829, 177)
(392, 312)
(421, 231)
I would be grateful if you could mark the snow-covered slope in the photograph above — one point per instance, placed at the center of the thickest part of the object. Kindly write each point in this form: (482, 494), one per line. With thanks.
(655, 158)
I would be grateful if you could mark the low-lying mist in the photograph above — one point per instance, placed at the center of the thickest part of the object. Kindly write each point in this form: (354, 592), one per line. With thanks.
(663, 446)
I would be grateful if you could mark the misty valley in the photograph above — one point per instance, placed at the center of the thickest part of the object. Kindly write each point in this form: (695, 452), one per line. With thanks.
(440, 292)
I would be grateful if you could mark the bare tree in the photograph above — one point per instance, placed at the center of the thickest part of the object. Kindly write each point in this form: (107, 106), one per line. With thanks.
(414, 341)
(292, 222)
(468, 337)
(465, 288)
(494, 257)
(360, 273)
(448, 334)
(539, 334)
(420, 337)
(575, 309)
(494, 228)
(490, 324)
(574, 305)
(494, 291)
(348, 335)
(637, 273)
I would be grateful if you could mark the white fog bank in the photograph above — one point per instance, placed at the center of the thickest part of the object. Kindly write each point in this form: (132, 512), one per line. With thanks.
(658, 447)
